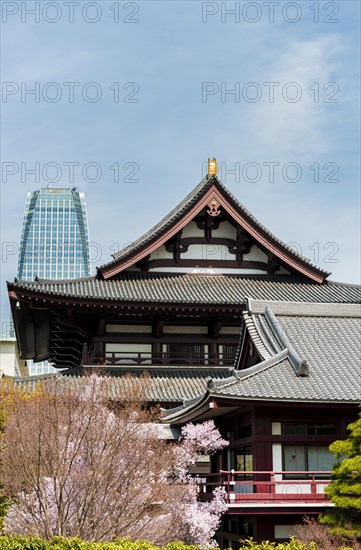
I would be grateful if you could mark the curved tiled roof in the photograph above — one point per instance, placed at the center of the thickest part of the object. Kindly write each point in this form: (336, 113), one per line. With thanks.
(329, 345)
(194, 289)
(277, 384)
(164, 385)
(184, 206)
(168, 220)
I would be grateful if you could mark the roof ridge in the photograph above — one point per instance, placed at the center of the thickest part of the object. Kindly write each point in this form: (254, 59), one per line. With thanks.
(138, 248)
(300, 365)
(168, 413)
(304, 309)
(211, 383)
(247, 373)
(260, 367)
(62, 281)
(200, 187)
(144, 368)
(263, 349)
(267, 231)
(43, 281)
(36, 377)
(342, 283)
(272, 278)
(273, 341)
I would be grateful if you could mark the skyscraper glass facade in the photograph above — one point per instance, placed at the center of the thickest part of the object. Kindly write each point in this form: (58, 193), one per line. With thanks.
(54, 241)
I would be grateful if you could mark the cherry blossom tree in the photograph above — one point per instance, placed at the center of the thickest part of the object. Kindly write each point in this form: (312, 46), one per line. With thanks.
(80, 466)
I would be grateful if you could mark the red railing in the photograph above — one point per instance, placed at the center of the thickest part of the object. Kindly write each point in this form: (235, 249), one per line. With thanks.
(143, 358)
(267, 487)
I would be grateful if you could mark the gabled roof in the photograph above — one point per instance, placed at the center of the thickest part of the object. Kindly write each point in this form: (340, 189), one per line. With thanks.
(208, 190)
(310, 354)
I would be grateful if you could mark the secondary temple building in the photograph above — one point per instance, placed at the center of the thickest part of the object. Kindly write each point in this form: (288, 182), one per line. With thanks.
(231, 324)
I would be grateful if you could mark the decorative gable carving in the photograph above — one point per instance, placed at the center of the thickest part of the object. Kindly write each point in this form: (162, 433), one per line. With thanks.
(213, 208)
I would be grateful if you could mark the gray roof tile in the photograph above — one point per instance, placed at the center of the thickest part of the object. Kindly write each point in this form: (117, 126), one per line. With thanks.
(164, 385)
(196, 289)
(330, 345)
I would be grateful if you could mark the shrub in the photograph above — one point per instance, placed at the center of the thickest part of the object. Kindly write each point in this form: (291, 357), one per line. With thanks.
(323, 537)
(61, 543)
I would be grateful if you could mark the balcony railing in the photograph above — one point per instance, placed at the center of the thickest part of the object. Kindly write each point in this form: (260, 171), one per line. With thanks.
(143, 358)
(267, 487)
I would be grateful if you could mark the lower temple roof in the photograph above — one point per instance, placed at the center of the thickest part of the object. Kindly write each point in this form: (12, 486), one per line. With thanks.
(191, 289)
(324, 339)
(160, 385)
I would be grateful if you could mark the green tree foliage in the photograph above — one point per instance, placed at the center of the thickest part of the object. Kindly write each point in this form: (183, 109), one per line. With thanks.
(345, 487)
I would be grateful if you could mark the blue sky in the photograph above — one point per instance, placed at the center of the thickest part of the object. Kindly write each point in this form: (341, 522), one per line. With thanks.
(152, 98)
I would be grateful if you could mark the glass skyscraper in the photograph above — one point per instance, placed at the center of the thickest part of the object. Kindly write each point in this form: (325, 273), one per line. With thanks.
(54, 241)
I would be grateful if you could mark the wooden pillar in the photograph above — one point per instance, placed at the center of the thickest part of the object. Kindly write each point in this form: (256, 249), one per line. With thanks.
(99, 351)
(263, 527)
(212, 350)
(85, 358)
(157, 353)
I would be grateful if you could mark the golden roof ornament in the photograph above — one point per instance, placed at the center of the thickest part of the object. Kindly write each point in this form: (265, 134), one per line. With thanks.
(212, 167)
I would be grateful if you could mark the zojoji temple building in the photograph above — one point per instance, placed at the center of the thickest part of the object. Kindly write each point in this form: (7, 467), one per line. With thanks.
(231, 324)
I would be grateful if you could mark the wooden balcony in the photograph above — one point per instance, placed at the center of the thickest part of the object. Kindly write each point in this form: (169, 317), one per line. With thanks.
(257, 487)
(132, 358)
